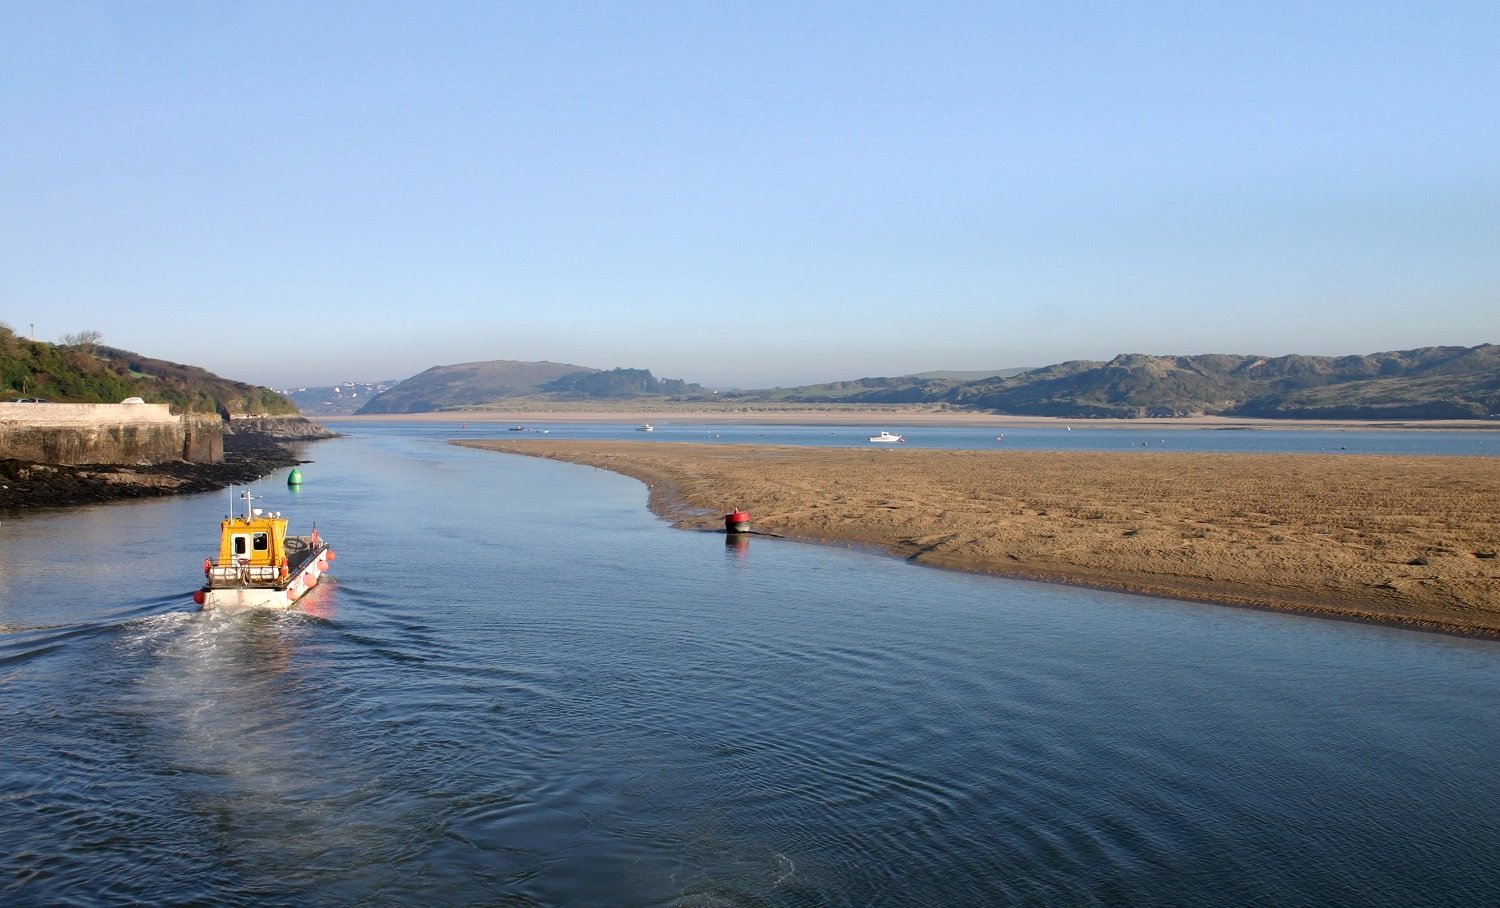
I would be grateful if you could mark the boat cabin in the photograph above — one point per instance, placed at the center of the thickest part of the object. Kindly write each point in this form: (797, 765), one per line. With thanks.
(252, 549)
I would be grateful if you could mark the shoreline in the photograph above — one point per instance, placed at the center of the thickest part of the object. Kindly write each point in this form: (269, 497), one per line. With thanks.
(875, 416)
(1408, 541)
(28, 486)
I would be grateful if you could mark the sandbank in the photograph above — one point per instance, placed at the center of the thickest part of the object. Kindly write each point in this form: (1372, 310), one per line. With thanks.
(1410, 541)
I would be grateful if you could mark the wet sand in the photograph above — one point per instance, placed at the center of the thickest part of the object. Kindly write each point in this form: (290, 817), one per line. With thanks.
(1401, 540)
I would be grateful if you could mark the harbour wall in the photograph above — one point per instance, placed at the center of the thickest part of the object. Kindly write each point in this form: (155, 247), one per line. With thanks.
(108, 433)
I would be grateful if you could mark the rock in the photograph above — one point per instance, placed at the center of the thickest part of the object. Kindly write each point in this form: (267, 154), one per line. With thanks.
(247, 457)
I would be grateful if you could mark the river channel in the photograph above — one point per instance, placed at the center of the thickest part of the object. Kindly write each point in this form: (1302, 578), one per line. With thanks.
(521, 688)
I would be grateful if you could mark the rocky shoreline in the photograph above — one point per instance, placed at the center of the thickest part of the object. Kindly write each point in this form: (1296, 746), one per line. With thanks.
(248, 455)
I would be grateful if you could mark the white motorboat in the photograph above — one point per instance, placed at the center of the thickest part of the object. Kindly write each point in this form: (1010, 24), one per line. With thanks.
(886, 438)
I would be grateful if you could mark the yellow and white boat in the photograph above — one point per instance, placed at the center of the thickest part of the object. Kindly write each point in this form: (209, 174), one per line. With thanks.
(259, 565)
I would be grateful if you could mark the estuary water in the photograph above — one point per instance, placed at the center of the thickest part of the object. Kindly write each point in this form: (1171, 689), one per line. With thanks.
(521, 688)
(1466, 442)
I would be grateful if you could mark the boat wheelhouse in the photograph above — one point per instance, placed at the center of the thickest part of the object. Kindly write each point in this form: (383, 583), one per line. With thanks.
(259, 564)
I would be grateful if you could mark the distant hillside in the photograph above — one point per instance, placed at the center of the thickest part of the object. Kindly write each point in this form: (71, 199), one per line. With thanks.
(616, 384)
(916, 388)
(468, 385)
(1428, 383)
(90, 373)
(337, 400)
(972, 375)
(475, 385)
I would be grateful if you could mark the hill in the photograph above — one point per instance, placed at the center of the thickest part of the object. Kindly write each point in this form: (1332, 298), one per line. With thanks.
(87, 372)
(336, 400)
(462, 385)
(477, 385)
(1426, 383)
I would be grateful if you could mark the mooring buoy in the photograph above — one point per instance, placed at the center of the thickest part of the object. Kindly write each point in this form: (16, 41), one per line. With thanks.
(294, 478)
(737, 521)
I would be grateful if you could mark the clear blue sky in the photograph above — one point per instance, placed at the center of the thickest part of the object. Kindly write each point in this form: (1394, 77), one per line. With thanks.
(747, 194)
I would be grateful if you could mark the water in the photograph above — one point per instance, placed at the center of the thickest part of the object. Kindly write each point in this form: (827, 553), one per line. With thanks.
(1483, 442)
(522, 689)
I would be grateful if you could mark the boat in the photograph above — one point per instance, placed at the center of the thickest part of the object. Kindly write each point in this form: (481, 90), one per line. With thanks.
(645, 427)
(259, 565)
(886, 438)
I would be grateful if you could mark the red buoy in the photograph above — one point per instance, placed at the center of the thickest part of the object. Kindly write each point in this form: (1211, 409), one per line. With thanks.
(737, 521)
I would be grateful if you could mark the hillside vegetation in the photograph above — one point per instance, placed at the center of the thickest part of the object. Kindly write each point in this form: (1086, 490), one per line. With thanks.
(1427, 383)
(90, 373)
(476, 385)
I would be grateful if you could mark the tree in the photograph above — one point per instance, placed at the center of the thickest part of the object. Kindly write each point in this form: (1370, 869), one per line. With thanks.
(83, 340)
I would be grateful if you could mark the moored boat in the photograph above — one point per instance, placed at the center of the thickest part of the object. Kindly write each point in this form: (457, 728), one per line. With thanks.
(259, 565)
(645, 427)
(886, 438)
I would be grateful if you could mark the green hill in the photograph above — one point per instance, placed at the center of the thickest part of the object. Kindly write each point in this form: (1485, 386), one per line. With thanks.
(468, 386)
(87, 372)
(1427, 383)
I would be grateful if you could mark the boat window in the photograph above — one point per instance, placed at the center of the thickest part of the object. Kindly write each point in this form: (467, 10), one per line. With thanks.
(262, 542)
(241, 544)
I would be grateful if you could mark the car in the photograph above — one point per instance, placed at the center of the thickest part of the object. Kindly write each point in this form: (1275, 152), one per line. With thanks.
(29, 400)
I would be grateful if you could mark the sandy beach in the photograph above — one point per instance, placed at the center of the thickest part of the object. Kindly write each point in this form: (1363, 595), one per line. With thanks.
(1401, 540)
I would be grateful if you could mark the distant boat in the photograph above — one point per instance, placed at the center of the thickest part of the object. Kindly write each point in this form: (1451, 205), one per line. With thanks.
(518, 428)
(645, 427)
(886, 438)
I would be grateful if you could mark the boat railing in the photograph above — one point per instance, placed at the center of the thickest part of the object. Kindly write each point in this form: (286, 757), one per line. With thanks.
(243, 575)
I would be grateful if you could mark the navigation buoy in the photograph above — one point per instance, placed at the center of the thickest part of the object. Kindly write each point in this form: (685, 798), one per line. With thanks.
(294, 478)
(737, 521)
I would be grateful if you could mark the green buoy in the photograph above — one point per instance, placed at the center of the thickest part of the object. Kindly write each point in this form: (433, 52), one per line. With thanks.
(294, 478)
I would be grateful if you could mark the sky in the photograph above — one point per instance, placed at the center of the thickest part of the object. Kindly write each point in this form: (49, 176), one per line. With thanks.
(746, 195)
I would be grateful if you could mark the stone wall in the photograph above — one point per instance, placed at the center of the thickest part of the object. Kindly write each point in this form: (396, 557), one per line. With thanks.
(107, 433)
(203, 438)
